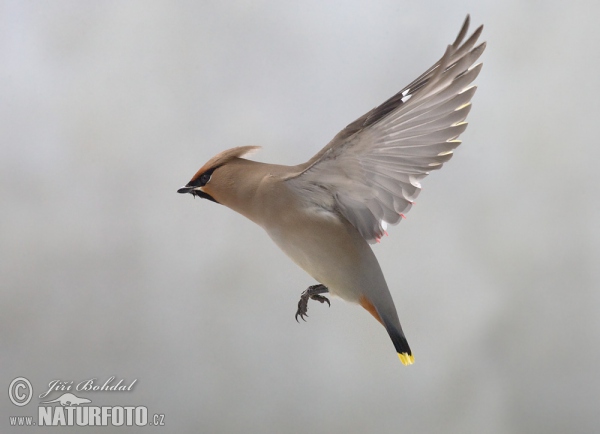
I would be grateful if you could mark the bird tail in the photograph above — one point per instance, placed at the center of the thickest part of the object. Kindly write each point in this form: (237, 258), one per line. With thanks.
(400, 343)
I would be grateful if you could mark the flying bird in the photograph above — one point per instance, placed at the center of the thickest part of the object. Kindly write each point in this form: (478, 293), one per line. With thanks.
(324, 213)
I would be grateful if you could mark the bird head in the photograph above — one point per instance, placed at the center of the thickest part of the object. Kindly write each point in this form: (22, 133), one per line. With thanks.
(214, 178)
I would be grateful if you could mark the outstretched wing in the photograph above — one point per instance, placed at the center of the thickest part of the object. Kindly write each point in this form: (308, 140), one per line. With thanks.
(372, 168)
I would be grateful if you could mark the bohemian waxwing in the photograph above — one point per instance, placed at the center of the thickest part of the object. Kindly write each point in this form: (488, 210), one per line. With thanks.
(324, 213)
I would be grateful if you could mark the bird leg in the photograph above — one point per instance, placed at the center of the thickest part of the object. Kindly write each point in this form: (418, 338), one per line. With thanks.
(312, 292)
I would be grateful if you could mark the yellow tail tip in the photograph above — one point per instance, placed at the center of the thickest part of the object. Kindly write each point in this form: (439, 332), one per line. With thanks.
(406, 359)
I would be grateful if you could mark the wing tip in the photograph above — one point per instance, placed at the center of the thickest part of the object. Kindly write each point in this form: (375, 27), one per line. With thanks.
(462, 32)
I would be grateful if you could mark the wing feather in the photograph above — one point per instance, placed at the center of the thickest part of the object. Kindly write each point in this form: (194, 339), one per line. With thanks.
(370, 172)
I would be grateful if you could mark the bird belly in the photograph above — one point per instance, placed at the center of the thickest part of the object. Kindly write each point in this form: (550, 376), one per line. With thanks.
(330, 250)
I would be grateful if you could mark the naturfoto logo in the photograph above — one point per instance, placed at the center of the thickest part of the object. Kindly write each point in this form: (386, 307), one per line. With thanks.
(71, 409)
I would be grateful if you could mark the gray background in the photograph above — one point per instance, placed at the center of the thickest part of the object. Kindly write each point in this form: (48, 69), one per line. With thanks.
(106, 108)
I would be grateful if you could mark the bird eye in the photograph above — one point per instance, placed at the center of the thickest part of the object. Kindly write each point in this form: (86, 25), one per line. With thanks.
(205, 178)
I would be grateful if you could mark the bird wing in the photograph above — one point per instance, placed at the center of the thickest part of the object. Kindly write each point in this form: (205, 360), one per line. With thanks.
(370, 171)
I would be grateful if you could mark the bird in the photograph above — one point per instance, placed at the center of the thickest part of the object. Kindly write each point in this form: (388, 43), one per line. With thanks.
(325, 213)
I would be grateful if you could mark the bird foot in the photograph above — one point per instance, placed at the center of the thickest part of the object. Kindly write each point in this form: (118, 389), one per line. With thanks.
(313, 292)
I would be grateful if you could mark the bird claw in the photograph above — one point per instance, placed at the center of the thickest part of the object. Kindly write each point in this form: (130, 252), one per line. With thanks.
(313, 292)
(302, 307)
(321, 299)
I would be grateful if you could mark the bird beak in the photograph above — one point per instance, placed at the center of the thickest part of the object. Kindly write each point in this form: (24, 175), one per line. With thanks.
(196, 191)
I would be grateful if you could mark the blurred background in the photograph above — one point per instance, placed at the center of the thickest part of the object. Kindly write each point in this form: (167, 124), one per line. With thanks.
(106, 108)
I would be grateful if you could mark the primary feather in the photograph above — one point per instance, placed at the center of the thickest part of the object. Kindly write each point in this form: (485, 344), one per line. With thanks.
(370, 172)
